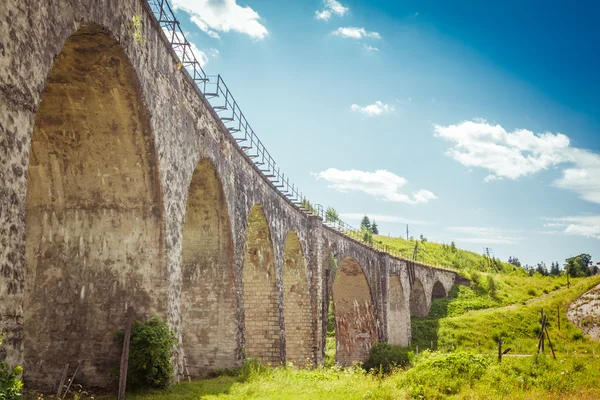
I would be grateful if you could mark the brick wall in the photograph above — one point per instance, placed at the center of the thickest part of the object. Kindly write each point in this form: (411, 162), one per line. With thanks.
(208, 295)
(296, 303)
(260, 292)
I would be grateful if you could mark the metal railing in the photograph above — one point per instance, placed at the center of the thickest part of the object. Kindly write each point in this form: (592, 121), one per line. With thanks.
(224, 104)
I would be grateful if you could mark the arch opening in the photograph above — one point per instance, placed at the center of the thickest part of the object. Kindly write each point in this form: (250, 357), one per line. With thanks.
(208, 306)
(261, 309)
(438, 291)
(94, 223)
(355, 325)
(398, 314)
(296, 303)
(418, 300)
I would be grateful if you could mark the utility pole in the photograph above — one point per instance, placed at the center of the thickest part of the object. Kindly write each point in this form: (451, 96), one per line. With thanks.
(487, 252)
(406, 231)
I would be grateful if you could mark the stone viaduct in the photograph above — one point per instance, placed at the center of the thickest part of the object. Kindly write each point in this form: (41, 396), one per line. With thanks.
(120, 185)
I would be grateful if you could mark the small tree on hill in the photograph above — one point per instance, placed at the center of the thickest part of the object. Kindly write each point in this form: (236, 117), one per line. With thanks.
(514, 261)
(541, 269)
(331, 215)
(555, 269)
(374, 229)
(365, 223)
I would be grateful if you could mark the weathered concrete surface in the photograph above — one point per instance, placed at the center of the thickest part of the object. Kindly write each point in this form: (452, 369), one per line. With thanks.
(128, 224)
(355, 322)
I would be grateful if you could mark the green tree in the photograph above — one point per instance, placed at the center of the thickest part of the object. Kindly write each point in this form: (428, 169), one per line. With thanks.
(514, 261)
(453, 247)
(423, 238)
(541, 269)
(367, 235)
(331, 215)
(579, 265)
(555, 269)
(374, 229)
(365, 223)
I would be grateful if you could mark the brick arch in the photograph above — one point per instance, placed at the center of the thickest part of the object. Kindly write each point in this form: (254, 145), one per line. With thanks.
(398, 314)
(355, 320)
(208, 306)
(261, 309)
(438, 291)
(418, 300)
(296, 303)
(94, 223)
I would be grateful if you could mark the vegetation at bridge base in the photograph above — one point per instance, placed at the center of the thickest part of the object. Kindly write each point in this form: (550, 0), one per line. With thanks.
(10, 384)
(384, 358)
(149, 354)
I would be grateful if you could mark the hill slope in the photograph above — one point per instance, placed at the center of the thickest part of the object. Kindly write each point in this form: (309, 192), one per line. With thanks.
(448, 256)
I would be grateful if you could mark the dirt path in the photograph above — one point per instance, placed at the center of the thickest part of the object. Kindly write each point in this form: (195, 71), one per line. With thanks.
(585, 312)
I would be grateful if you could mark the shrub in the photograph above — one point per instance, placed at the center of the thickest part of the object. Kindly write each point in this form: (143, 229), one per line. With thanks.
(532, 292)
(150, 354)
(385, 357)
(10, 384)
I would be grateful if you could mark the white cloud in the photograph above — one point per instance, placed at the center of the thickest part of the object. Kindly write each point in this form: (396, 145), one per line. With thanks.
(382, 184)
(583, 225)
(323, 15)
(214, 16)
(355, 33)
(369, 48)
(513, 155)
(331, 7)
(201, 56)
(214, 52)
(484, 235)
(584, 176)
(382, 218)
(373, 110)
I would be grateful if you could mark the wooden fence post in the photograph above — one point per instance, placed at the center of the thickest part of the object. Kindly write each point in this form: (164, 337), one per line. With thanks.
(125, 355)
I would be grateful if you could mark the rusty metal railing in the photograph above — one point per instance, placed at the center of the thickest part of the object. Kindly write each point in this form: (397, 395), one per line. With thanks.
(227, 108)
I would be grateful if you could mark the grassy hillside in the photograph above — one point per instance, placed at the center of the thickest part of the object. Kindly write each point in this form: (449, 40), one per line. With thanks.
(447, 256)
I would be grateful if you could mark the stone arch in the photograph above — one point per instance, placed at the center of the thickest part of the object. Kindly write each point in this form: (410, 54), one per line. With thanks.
(208, 306)
(296, 303)
(418, 300)
(398, 314)
(355, 325)
(261, 307)
(438, 291)
(94, 215)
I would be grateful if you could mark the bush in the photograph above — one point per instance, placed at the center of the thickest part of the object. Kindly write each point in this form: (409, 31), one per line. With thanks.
(532, 292)
(150, 354)
(10, 384)
(385, 357)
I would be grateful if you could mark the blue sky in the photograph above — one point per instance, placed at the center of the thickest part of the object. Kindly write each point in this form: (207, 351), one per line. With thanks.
(475, 122)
